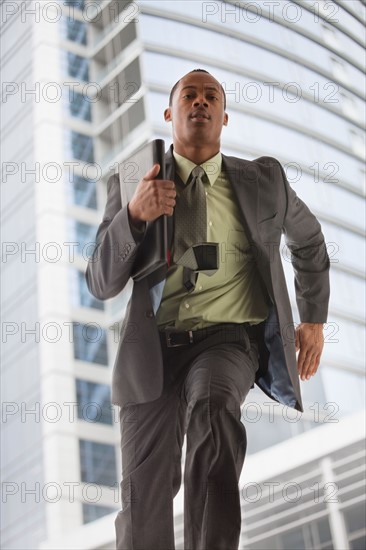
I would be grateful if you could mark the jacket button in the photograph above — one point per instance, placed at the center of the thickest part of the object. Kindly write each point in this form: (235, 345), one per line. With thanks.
(149, 314)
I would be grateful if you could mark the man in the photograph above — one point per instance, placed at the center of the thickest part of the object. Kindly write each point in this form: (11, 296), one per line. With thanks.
(193, 343)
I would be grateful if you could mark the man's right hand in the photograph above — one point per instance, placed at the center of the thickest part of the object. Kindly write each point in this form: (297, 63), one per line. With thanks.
(152, 198)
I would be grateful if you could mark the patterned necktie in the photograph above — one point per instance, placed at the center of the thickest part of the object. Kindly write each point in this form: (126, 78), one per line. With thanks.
(190, 214)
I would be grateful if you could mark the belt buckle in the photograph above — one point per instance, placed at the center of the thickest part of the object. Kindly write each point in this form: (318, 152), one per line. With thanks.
(172, 345)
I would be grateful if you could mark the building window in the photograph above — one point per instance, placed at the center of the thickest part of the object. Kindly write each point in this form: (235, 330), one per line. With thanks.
(315, 535)
(98, 463)
(79, 106)
(84, 236)
(84, 192)
(94, 402)
(77, 66)
(75, 30)
(110, 55)
(359, 543)
(75, 3)
(91, 512)
(293, 539)
(82, 147)
(126, 84)
(355, 522)
(322, 531)
(86, 299)
(90, 343)
(136, 115)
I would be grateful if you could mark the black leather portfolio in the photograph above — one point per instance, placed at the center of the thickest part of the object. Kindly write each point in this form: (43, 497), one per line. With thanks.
(152, 253)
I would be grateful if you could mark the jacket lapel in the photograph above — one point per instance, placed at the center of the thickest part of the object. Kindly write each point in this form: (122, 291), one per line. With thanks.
(244, 181)
(244, 176)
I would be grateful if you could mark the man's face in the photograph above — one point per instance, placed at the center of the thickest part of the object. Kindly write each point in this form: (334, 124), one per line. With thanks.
(197, 111)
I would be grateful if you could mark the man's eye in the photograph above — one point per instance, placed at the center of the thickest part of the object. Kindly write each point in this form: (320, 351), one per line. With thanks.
(187, 96)
(213, 97)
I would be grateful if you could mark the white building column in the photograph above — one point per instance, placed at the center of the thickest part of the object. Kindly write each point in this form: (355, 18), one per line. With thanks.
(336, 518)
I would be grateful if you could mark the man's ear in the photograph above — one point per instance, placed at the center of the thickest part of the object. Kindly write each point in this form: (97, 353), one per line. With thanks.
(226, 119)
(168, 115)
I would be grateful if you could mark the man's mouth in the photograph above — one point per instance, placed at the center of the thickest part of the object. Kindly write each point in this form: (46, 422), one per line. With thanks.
(199, 115)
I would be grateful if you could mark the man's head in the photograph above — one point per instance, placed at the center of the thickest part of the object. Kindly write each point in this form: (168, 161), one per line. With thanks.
(194, 71)
(197, 113)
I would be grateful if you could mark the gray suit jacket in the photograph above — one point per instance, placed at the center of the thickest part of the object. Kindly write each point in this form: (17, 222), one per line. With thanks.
(269, 208)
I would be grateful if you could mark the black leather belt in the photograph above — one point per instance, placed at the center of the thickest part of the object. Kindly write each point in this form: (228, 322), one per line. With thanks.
(231, 332)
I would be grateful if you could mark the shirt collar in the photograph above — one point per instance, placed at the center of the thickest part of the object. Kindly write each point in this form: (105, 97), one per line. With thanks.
(212, 167)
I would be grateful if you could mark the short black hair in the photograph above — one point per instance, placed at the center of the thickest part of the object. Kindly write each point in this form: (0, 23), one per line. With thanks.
(172, 91)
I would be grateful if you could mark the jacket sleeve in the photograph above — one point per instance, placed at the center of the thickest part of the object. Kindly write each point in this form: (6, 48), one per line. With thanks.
(309, 257)
(117, 242)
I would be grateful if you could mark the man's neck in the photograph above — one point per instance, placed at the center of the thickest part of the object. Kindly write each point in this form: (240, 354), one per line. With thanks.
(196, 154)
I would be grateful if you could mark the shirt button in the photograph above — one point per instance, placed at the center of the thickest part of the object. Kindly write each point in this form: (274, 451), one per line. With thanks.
(200, 287)
(210, 224)
(186, 306)
(206, 193)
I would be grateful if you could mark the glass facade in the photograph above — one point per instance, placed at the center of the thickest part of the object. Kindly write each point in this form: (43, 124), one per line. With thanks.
(113, 54)
(84, 192)
(355, 522)
(75, 30)
(81, 294)
(86, 299)
(77, 66)
(98, 463)
(82, 147)
(91, 512)
(80, 4)
(90, 343)
(94, 402)
(80, 107)
(122, 131)
(284, 503)
(84, 235)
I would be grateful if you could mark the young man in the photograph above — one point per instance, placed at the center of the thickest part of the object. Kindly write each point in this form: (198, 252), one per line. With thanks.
(193, 343)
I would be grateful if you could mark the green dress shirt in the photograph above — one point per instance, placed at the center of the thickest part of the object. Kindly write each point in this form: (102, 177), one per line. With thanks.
(234, 294)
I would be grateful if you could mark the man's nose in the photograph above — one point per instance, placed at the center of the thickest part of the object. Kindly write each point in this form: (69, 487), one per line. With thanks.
(200, 101)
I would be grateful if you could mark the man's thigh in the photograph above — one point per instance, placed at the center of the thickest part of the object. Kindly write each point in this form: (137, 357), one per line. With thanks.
(151, 431)
(223, 374)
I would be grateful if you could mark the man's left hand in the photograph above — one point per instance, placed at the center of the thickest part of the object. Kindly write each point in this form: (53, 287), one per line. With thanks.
(310, 342)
